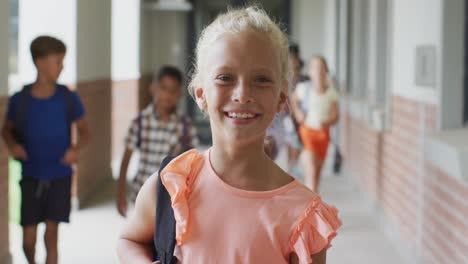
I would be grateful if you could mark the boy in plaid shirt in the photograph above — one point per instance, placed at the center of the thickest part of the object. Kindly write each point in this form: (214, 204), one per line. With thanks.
(157, 132)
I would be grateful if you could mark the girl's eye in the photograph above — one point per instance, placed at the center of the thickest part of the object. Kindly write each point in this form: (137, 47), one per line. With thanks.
(224, 78)
(262, 79)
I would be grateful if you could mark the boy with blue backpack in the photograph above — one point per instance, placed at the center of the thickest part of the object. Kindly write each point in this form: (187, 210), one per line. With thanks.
(37, 132)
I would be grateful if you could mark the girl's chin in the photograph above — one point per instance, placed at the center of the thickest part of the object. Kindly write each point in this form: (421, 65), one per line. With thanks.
(244, 138)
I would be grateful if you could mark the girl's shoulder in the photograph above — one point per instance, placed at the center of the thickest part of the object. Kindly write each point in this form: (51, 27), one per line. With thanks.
(315, 226)
(178, 177)
(300, 200)
(182, 171)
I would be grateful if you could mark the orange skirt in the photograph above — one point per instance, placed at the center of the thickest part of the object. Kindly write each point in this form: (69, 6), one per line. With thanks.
(315, 140)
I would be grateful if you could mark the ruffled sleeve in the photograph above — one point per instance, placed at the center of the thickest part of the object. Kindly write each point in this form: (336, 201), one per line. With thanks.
(178, 177)
(315, 229)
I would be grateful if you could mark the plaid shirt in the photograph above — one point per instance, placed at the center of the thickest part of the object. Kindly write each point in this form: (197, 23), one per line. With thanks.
(155, 139)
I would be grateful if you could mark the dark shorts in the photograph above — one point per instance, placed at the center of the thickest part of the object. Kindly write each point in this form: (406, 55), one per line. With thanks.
(45, 200)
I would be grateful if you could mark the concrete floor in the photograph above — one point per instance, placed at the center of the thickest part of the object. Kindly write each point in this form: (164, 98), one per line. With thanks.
(359, 240)
(91, 236)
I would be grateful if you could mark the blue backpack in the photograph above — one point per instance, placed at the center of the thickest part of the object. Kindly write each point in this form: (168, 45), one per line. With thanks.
(21, 110)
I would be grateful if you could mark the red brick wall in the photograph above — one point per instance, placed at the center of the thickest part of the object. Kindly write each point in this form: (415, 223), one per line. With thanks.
(124, 109)
(4, 244)
(94, 167)
(401, 176)
(426, 206)
(444, 226)
(362, 154)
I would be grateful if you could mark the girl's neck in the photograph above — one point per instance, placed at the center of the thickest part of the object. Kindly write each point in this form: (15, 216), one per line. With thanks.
(246, 166)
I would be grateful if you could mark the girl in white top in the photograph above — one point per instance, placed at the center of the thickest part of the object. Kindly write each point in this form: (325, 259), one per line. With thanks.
(316, 108)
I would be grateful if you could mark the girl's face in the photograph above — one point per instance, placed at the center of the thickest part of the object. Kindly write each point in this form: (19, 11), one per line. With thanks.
(241, 86)
(317, 70)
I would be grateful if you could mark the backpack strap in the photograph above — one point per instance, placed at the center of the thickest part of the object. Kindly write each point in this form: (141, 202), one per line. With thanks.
(186, 134)
(69, 101)
(165, 225)
(138, 120)
(69, 105)
(21, 110)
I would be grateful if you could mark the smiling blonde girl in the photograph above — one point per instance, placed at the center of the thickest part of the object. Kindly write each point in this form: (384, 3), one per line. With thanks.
(232, 203)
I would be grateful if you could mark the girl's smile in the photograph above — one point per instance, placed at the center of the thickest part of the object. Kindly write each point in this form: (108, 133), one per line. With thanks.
(242, 86)
(242, 117)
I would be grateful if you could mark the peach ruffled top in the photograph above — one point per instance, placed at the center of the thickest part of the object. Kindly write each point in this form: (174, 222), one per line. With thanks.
(217, 223)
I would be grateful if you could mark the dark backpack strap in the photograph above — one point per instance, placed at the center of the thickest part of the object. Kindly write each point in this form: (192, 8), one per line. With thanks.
(138, 120)
(186, 134)
(69, 105)
(69, 101)
(21, 109)
(165, 225)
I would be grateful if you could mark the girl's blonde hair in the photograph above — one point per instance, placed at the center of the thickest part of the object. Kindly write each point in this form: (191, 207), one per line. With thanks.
(235, 21)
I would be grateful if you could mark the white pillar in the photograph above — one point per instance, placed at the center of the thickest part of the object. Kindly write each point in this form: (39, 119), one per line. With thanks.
(39, 18)
(125, 73)
(125, 39)
(93, 40)
(164, 34)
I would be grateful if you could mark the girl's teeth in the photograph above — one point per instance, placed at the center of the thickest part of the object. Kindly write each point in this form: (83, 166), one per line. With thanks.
(240, 115)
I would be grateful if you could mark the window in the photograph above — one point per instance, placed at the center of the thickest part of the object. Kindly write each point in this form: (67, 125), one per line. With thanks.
(465, 96)
(357, 49)
(382, 50)
(368, 60)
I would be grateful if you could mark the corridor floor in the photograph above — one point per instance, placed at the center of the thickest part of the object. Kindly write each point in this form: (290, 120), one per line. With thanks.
(91, 236)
